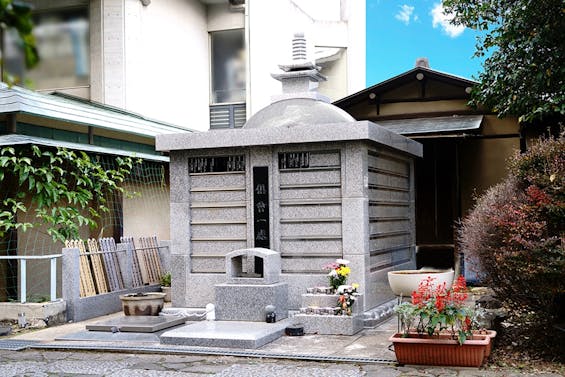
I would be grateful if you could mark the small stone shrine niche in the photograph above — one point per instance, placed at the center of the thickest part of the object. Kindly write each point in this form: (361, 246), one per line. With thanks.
(245, 266)
(252, 284)
(253, 266)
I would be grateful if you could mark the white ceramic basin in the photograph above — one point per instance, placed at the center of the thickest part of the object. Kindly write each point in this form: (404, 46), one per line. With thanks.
(404, 282)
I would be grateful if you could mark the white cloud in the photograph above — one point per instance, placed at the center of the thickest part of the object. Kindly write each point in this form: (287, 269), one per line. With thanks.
(405, 13)
(439, 18)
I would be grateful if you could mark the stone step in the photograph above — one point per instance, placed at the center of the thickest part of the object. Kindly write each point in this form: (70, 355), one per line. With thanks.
(330, 324)
(321, 300)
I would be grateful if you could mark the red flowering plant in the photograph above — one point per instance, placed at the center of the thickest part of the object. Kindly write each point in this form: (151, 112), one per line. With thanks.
(434, 308)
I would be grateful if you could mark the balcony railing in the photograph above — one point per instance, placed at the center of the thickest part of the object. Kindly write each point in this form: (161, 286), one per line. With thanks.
(23, 273)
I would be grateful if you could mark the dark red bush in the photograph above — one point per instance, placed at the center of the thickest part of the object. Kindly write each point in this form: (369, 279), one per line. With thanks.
(514, 236)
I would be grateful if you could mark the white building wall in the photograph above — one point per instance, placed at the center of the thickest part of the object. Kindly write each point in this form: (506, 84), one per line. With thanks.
(166, 61)
(155, 60)
(152, 60)
(219, 17)
(356, 53)
(326, 23)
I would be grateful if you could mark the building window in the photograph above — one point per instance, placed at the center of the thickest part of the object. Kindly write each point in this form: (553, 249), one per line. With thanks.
(63, 42)
(228, 66)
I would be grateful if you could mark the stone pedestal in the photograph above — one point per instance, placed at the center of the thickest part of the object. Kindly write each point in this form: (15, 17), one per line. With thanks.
(320, 300)
(246, 302)
(328, 324)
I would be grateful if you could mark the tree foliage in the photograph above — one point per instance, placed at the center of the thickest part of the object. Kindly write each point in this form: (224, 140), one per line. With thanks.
(17, 15)
(525, 74)
(64, 189)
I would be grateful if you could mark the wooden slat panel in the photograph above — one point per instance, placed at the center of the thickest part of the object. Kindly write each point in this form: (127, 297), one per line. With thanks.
(113, 270)
(137, 279)
(151, 260)
(97, 266)
(87, 287)
(156, 256)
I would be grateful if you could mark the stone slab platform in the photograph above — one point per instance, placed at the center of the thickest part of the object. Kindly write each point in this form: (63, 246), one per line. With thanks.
(227, 334)
(93, 337)
(138, 324)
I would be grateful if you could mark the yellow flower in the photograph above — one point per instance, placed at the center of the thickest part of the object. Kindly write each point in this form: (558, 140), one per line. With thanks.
(355, 285)
(343, 271)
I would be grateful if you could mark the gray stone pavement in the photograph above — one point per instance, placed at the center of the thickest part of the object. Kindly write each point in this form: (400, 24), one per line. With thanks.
(365, 354)
(38, 363)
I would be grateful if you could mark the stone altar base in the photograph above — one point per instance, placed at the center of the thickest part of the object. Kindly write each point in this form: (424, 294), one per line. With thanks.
(140, 324)
(330, 324)
(228, 334)
(246, 302)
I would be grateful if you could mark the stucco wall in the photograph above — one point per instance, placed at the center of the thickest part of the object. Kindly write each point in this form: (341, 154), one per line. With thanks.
(147, 214)
(483, 160)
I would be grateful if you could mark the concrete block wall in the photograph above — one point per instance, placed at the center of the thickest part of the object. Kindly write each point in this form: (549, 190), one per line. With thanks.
(82, 308)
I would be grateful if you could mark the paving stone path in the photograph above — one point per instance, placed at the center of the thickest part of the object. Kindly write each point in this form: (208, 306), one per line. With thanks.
(39, 363)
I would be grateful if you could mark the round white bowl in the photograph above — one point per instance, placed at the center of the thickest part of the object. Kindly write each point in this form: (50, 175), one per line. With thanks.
(404, 282)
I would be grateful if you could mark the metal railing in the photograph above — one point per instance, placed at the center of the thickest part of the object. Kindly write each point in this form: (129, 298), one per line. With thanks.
(23, 272)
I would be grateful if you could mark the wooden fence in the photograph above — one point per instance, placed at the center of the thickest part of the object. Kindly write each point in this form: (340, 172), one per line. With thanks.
(100, 269)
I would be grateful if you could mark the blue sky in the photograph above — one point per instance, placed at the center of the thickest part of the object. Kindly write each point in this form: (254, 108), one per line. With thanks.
(399, 32)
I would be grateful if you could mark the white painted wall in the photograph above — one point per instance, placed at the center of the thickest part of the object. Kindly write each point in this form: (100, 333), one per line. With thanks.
(166, 61)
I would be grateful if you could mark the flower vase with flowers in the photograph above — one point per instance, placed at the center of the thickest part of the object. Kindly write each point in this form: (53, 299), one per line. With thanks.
(339, 271)
(347, 297)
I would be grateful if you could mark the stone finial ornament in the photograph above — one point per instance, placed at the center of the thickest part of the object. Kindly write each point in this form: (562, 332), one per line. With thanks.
(300, 78)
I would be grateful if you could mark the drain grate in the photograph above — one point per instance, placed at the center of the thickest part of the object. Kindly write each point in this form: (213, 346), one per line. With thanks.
(16, 345)
(218, 352)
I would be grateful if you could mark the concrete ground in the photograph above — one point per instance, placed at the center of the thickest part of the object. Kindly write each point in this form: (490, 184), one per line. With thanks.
(120, 354)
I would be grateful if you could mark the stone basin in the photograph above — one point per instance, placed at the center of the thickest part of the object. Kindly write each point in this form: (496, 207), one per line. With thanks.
(404, 282)
(149, 303)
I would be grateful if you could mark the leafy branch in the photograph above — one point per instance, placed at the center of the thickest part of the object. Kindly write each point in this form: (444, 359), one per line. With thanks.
(64, 189)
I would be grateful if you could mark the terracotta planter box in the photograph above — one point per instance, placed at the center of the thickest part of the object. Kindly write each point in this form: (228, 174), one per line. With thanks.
(425, 350)
(491, 334)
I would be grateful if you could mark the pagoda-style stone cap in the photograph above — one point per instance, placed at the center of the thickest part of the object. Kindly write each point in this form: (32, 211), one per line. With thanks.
(299, 103)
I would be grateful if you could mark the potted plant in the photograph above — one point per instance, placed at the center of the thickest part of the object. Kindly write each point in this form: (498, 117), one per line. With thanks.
(142, 303)
(437, 328)
(166, 286)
